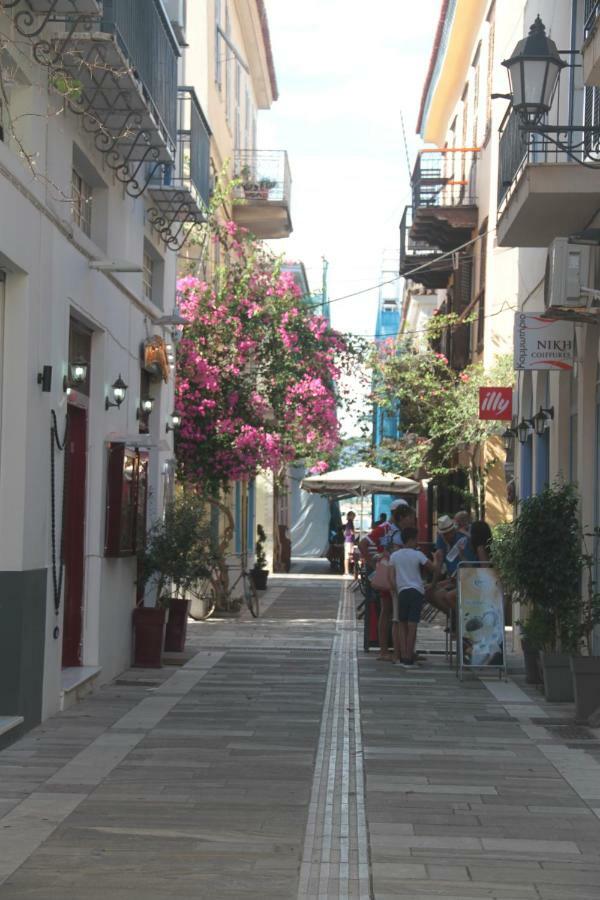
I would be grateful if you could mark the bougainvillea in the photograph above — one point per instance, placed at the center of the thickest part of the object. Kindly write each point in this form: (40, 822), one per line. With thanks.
(257, 370)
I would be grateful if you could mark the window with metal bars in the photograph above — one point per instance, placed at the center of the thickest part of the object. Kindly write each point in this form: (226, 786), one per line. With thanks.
(591, 115)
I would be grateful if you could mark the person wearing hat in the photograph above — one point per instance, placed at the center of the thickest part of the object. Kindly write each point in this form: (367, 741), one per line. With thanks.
(443, 593)
(382, 540)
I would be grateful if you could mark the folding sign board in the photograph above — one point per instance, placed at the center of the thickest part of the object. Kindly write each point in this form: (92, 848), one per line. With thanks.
(495, 403)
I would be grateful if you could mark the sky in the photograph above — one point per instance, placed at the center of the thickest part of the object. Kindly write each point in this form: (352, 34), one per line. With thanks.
(348, 73)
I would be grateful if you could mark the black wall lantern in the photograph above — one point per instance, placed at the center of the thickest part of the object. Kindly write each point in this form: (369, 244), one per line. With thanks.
(523, 429)
(176, 420)
(79, 371)
(534, 70)
(540, 419)
(508, 437)
(119, 389)
(145, 407)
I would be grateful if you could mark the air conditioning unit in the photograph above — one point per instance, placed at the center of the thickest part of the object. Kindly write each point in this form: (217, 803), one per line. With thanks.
(567, 273)
(176, 11)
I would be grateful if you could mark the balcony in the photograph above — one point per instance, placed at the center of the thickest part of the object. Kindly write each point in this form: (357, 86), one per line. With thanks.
(414, 254)
(264, 193)
(543, 193)
(444, 200)
(591, 43)
(116, 67)
(181, 193)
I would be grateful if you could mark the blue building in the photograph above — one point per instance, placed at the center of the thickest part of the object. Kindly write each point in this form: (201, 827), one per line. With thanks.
(386, 422)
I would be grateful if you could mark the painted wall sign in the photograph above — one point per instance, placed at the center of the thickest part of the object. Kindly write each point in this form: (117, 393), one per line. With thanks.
(495, 403)
(543, 344)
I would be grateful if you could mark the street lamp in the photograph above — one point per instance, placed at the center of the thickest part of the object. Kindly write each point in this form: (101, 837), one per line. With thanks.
(534, 70)
(540, 419)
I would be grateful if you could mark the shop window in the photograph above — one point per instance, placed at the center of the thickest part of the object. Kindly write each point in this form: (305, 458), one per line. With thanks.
(126, 500)
(152, 275)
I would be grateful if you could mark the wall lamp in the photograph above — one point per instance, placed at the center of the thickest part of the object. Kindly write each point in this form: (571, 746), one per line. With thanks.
(176, 422)
(533, 70)
(119, 389)
(79, 370)
(44, 378)
(523, 429)
(145, 407)
(508, 437)
(540, 419)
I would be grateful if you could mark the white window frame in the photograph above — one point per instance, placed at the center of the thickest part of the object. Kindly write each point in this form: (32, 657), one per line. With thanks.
(82, 194)
(148, 279)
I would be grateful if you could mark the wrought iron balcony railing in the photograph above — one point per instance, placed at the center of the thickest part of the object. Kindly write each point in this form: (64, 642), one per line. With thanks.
(415, 253)
(265, 184)
(115, 64)
(445, 177)
(590, 17)
(181, 192)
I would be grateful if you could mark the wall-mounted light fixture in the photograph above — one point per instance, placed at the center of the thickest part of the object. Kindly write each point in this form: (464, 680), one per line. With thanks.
(119, 389)
(533, 70)
(540, 419)
(145, 407)
(508, 437)
(45, 379)
(523, 429)
(176, 422)
(79, 370)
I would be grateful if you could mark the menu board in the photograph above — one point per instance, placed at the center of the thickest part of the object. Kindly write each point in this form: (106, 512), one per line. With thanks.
(480, 617)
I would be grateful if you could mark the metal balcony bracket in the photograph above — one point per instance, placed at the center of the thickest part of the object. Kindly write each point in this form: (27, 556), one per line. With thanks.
(31, 21)
(50, 52)
(173, 223)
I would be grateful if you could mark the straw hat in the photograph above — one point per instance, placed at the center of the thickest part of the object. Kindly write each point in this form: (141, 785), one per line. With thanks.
(445, 524)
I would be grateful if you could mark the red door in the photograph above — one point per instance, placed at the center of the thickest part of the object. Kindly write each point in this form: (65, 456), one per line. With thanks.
(74, 529)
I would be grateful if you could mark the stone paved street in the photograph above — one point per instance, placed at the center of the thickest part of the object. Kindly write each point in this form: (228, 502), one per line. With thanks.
(282, 762)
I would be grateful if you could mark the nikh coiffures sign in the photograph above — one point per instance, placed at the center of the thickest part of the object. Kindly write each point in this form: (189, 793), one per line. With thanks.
(543, 344)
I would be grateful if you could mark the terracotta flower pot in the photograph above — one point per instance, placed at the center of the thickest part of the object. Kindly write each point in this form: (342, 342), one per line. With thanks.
(176, 630)
(148, 636)
(586, 685)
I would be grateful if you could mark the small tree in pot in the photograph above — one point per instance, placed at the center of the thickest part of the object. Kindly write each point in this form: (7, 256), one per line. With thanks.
(539, 557)
(259, 572)
(177, 553)
(585, 667)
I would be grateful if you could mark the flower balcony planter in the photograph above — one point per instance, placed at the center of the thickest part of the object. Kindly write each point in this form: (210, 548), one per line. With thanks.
(586, 686)
(558, 682)
(176, 630)
(148, 636)
(259, 577)
(531, 658)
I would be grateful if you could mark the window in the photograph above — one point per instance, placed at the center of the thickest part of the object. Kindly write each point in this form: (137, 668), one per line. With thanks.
(228, 63)
(490, 70)
(126, 500)
(591, 114)
(80, 348)
(148, 276)
(476, 87)
(238, 105)
(82, 202)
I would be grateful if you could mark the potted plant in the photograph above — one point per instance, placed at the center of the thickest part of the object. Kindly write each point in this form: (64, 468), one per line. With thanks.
(541, 560)
(176, 554)
(265, 185)
(259, 572)
(585, 667)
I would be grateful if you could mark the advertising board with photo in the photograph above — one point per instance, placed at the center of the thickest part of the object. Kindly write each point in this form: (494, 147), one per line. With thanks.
(480, 617)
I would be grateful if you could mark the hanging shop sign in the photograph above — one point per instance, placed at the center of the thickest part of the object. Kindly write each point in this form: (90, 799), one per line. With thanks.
(155, 357)
(543, 344)
(495, 403)
(480, 617)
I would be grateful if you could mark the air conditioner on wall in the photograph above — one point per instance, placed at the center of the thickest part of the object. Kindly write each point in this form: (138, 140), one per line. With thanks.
(567, 273)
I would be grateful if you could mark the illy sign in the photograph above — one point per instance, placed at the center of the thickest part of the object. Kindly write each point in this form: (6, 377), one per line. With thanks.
(495, 403)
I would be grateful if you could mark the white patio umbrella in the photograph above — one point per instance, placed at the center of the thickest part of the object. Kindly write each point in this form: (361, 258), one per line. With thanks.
(357, 481)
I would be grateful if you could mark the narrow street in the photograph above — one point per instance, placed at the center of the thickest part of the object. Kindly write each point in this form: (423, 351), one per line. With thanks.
(281, 761)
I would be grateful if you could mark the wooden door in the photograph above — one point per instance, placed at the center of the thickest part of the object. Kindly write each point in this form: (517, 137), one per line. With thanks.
(74, 535)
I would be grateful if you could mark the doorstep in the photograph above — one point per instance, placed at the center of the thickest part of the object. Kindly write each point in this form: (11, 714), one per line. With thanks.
(7, 723)
(77, 682)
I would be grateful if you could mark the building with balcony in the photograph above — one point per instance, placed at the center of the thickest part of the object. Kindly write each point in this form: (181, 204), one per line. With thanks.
(548, 209)
(103, 164)
(448, 252)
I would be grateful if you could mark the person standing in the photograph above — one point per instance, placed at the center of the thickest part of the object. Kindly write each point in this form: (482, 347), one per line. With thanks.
(349, 540)
(406, 566)
(380, 542)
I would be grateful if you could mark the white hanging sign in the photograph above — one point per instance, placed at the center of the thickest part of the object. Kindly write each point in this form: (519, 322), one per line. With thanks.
(543, 344)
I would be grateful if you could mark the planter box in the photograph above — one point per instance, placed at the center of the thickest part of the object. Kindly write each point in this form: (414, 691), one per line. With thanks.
(176, 630)
(259, 577)
(148, 636)
(558, 682)
(532, 664)
(586, 686)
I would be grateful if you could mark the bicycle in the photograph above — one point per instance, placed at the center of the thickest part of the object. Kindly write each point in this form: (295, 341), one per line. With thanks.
(214, 589)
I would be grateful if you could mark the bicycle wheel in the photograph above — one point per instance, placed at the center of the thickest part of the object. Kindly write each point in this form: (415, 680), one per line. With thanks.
(203, 599)
(250, 595)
